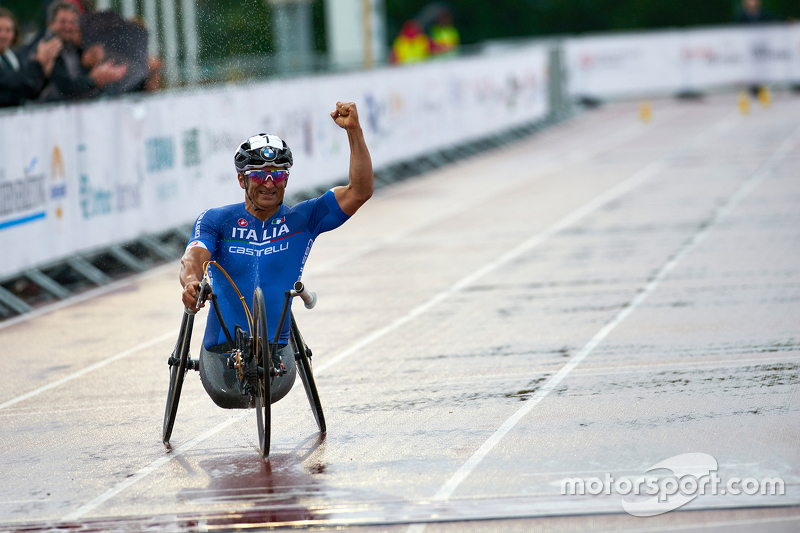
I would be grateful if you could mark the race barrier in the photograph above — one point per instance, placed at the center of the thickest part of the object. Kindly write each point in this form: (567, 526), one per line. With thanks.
(682, 61)
(77, 177)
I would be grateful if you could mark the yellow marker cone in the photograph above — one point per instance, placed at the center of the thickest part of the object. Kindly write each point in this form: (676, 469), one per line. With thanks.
(764, 96)
(645, 111)
(744, 103)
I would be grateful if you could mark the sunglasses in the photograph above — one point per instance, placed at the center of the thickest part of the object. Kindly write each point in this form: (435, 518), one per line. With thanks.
(261, 176)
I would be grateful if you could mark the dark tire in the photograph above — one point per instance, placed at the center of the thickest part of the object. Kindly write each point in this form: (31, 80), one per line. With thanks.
(261, 352)
(177, 372)
(307, 376)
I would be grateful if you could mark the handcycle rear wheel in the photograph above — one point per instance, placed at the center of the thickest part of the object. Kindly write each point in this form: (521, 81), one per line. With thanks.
(304, 369)
(177, 371)
(261, 352)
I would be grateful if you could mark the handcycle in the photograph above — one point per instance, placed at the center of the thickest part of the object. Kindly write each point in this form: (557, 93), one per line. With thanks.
(251, 358)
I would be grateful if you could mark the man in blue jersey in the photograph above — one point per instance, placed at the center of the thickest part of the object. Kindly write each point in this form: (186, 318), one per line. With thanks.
(264, 243)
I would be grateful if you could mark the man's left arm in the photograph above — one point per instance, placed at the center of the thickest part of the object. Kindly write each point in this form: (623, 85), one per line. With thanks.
(353, 195)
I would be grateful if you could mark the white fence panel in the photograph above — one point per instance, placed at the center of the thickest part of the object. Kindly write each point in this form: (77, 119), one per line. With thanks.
(77, 177)
(622, 64)
(612, 66)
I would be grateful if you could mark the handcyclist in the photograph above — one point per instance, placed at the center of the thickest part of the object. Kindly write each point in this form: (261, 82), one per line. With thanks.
(264, 243)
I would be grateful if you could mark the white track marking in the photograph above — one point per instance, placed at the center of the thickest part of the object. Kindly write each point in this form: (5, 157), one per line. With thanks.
(548, 167)
(107, 495)
(590, 207)
(583, 211)
(447, 490)
(724, 525)
(573, 157)
(637, 179)
(727, 524)
(91, 368)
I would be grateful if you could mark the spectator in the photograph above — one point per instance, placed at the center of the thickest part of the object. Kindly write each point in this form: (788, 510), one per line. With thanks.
(444, 35)
(78, 5)
(752, 11)
(155, 67)
(77, 73)
(412, 45)
(153, 82)
(19, 82)
(35, 36)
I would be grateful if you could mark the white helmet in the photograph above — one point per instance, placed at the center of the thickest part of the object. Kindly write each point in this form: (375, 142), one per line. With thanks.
(261, 151)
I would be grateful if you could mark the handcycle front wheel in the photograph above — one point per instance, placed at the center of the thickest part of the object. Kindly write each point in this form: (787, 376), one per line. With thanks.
(177, 370)
(261, 352)
(307, 377)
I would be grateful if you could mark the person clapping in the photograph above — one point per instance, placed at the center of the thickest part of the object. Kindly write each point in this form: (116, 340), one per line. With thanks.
(22, 81)
(77, 73)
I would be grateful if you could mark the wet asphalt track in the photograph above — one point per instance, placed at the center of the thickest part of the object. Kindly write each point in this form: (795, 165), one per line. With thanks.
(596, 299)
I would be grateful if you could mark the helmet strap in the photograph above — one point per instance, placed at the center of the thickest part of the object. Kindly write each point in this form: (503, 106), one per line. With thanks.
(247, 193)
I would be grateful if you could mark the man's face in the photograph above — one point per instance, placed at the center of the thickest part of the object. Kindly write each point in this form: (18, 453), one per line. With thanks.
(65, 25)
(268, 195)
(6, 33)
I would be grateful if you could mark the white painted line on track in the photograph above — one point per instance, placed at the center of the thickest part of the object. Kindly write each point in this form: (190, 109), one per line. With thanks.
(530, 243)
(573, 157)
(91, 368)
(107, 495)
(707, 525)
(576, 156)
(629, 184)
(549, 167)
(588, 208)
(725, 525)
(447, 490)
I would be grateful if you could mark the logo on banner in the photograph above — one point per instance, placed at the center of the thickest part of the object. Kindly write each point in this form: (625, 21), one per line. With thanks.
(24, 194)
(57, 164)
(191, 148)
(94, 201)
(58, 190)
(160, 154)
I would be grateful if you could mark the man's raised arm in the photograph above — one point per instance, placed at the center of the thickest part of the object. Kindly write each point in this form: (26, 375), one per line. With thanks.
(353, 195)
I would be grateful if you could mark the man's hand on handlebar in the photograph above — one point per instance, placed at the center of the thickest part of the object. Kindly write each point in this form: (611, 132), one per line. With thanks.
(192, 275)
(195, 295)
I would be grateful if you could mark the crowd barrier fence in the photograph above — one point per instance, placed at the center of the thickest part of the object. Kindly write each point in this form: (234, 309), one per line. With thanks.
(682, 61)
(83, 176)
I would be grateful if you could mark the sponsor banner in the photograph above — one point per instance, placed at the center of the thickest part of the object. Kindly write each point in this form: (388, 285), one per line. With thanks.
(682, 60)
(622, 64)
(794, 46)
(78, 177)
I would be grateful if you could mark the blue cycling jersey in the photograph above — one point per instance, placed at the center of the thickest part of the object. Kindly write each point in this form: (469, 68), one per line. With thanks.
(269, 254)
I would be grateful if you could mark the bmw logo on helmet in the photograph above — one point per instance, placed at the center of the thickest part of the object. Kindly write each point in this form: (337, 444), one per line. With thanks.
(269, 153)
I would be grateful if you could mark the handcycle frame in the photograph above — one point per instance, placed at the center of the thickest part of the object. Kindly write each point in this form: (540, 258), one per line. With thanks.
(253, 357)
